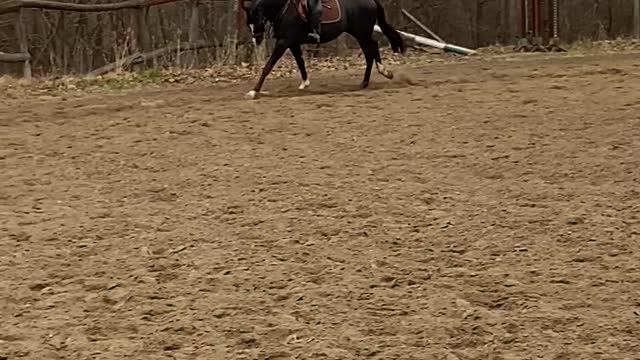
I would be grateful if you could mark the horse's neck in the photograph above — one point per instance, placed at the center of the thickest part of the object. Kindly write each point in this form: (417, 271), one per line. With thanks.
(273, 8)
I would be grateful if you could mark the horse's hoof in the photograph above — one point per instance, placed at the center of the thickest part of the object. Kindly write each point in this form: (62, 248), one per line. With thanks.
(384, 72)
(364, 85)
(305, 84)
(251, 95)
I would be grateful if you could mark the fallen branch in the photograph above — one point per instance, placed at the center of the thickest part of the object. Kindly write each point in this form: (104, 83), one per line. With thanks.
(11, 58)
(139, 58)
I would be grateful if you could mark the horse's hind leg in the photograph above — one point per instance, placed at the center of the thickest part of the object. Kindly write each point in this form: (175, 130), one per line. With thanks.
(296, 51)
(379, 66)
(365, 45)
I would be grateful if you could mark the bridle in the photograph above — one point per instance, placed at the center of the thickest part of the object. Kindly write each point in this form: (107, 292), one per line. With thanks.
(284, 9)
(277, 19)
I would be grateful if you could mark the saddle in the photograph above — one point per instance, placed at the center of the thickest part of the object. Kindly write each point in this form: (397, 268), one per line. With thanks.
(331, 12)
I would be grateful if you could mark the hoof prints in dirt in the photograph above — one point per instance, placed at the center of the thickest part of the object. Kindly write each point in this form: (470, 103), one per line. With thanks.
(493, 220)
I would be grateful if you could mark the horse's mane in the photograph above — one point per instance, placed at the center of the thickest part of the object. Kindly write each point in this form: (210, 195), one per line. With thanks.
(262, 3)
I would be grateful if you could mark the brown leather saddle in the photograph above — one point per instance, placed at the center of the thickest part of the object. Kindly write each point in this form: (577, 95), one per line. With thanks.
(331, 12)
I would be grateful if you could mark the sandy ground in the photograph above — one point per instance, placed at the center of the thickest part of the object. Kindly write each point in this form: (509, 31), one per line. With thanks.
(490, 211)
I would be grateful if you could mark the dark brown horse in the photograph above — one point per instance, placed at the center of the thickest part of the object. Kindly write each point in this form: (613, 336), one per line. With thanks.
(355, 17)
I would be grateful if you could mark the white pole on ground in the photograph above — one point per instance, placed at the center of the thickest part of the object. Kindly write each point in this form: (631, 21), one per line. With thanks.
(429, 42)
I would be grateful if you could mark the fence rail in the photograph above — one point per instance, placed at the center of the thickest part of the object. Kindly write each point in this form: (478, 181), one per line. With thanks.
(139, 24)
(4, 57)
(15, 5)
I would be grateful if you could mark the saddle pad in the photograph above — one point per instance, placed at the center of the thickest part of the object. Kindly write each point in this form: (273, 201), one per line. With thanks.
(331, 12)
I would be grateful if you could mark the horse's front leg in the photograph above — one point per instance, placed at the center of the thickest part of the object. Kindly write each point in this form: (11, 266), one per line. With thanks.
(277, 53)
(296, 51)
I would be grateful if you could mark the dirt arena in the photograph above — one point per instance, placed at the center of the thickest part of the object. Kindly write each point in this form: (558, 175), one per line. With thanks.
(489, 211)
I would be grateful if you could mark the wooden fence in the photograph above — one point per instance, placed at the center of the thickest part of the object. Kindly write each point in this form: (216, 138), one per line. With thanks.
(143, 52)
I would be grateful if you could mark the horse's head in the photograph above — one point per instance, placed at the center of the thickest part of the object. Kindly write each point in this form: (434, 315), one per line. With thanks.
(255, 21)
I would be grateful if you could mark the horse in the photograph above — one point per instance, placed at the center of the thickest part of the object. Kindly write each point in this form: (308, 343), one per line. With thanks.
(287, 17)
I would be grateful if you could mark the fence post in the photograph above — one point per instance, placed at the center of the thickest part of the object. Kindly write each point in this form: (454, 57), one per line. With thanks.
(61, 43)
(636, 18)
(142, 33)
(194, 23)
(232, 31)
(23, 40)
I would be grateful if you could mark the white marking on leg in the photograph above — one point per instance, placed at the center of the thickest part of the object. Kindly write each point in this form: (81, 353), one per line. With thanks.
(305, 84)
(383, 70)
(250, 95)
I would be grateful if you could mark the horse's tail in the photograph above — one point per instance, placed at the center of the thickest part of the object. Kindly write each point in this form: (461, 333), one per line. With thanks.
(396, 41)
